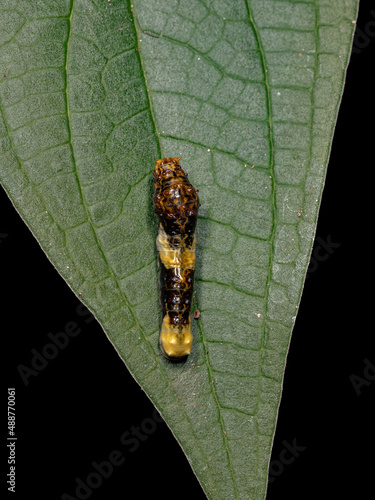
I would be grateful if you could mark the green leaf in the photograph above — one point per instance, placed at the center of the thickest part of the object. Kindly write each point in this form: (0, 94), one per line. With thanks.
(247, 93)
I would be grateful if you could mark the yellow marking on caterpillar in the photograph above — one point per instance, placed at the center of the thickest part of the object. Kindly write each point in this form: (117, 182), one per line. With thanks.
(175, 344)
(182, 256)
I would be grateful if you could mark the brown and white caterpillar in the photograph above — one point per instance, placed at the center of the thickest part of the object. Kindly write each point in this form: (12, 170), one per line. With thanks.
(176, 202)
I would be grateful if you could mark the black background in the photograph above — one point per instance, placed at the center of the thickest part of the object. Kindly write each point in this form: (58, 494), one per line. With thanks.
(76, 409)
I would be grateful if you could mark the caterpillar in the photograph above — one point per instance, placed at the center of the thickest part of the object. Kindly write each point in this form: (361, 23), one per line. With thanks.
(176, 203)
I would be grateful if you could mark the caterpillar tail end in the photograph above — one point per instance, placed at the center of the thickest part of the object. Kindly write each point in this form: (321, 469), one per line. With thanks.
(175, 345)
